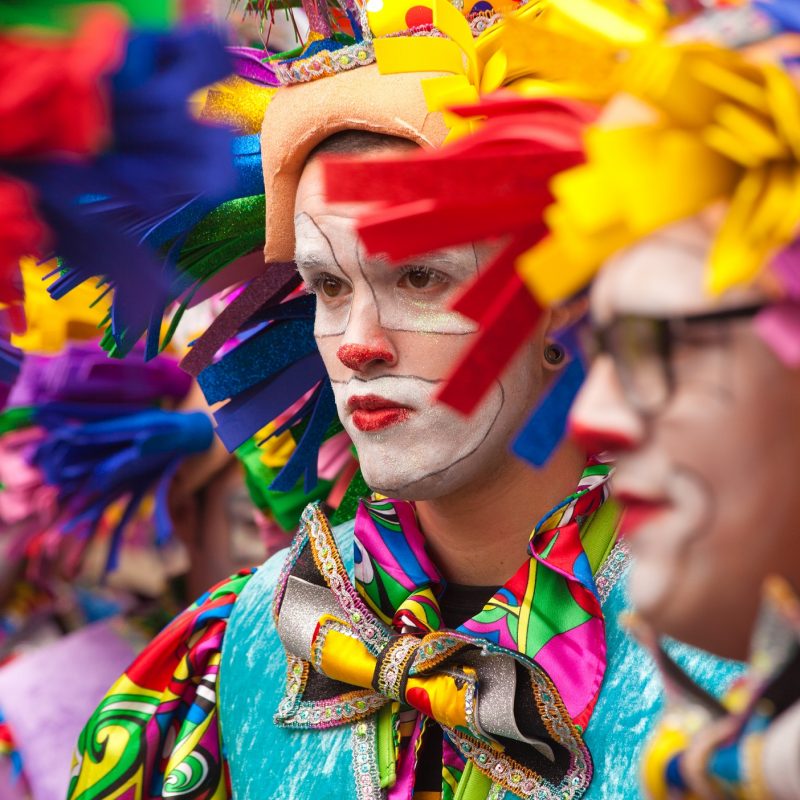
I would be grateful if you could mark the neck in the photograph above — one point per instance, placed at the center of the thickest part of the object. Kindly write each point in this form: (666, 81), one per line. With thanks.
(478, 536)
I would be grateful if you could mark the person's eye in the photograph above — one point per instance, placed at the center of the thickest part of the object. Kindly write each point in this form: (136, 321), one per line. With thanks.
(422, 278)
(329, 286)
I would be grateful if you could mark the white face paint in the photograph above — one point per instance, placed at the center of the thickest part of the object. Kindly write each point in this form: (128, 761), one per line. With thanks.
(389, 340)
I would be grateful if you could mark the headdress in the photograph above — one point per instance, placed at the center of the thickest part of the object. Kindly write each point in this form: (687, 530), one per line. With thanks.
(273, 362)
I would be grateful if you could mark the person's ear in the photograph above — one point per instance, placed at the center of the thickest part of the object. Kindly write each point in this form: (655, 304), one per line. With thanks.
(554, 355)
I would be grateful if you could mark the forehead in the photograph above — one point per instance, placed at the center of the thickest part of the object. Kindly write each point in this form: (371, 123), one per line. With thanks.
(663, 276)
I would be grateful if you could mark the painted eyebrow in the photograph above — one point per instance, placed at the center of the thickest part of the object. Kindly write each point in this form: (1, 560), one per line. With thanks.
(311, 261)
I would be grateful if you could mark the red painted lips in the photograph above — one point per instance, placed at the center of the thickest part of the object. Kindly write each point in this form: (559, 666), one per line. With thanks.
(371, 412)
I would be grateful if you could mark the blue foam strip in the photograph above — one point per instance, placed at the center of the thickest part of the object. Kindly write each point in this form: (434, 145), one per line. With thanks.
(258, 359)
(545, 428)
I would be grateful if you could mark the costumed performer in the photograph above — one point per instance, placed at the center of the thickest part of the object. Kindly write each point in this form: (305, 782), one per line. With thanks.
(441, 642)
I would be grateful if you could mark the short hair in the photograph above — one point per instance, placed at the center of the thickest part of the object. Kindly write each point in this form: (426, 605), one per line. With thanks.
(356, 141)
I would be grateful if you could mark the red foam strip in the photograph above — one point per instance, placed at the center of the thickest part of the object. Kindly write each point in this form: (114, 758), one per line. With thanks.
(425, 226)
(514, 317)
(503, 104)
(403, 181)
(495, 276)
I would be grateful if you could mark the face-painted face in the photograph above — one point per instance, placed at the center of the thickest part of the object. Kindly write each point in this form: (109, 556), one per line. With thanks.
(709, 477)
(388, 339)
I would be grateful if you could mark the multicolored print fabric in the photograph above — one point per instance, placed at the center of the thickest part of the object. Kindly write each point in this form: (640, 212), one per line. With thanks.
(156, 733)
(548, 611)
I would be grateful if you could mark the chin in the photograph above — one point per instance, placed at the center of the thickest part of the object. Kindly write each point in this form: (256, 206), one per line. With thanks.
(407, 485)
(663, 597)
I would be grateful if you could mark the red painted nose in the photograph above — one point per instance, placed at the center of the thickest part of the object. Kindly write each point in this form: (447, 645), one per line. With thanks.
(593, 441)
(357, 356)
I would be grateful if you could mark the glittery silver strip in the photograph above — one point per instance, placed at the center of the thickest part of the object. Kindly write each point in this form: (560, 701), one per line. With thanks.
(435, 648)
(612, 569)
(497, 792)
(393, 665)
(365, 761)
(298, 543)
(371, 631)
(523, 782)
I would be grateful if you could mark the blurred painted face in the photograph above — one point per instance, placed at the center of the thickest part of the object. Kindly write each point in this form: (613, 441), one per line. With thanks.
(388, 340)
(707, 470)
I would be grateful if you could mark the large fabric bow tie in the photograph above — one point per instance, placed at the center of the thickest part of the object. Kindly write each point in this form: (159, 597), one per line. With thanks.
(499, 708)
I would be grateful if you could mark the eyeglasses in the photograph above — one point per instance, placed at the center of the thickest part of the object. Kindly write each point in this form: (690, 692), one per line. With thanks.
(642, 349)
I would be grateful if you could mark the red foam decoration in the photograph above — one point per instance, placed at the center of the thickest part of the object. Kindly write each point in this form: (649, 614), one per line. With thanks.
(425, 226)
(491, 185)
(505, 329)
(56, 102)
(23, 234)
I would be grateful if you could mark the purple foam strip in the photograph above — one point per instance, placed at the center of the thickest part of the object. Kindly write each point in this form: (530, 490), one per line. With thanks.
(277, 281)
(247, 63)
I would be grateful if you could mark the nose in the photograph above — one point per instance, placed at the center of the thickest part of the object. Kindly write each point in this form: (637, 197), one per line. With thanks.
(601, 420)
(366, 344)
(359, 356)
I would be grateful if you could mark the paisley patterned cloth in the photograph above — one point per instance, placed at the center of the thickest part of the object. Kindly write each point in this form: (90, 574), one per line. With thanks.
(156, 732)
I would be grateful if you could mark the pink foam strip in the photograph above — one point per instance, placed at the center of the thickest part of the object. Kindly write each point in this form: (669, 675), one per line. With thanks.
(779, 327)
(272, 286)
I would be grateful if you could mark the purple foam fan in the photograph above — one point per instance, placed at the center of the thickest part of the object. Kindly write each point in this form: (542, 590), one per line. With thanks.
(85, 374)
(94, 464)
(305, 457)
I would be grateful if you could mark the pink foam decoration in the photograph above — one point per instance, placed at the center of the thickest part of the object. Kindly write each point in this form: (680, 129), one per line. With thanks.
(557, 658)
(333, 456)
(779, 327)
(48, 694)
(786, 268)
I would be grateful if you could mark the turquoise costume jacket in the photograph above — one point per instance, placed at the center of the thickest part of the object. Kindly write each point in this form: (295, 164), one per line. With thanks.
(268, 761)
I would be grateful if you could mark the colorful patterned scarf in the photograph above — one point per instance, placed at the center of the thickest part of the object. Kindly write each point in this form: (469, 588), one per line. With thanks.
(156, 733)
(549, 610)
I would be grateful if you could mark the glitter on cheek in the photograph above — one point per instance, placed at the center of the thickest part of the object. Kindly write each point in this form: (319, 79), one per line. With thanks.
(400, 311)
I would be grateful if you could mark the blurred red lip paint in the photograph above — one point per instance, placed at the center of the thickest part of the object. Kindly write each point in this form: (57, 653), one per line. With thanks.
(637, 512)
